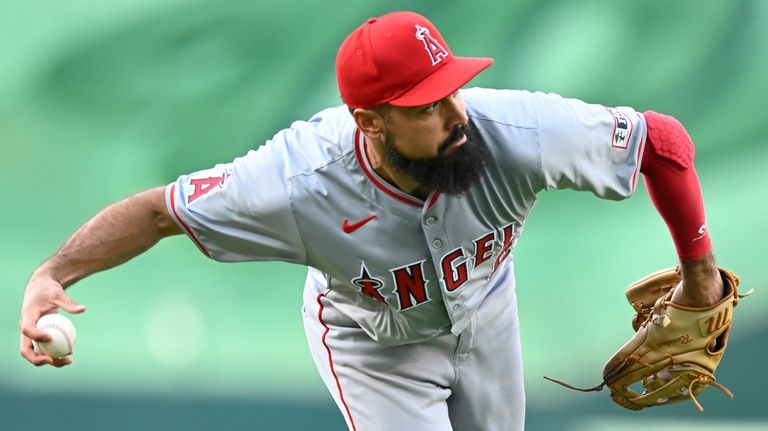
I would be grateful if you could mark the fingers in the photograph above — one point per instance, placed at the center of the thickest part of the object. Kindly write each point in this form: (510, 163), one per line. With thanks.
(28, 329)
(69, 305)
(29, 332)
(33, 310)
(62, 362)
(28, 353)
(39, 359)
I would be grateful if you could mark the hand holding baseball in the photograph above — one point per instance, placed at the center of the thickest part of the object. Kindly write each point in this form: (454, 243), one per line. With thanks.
(42, 300)
(62, 333)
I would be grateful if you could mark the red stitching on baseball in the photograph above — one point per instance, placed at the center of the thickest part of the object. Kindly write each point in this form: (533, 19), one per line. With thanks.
(63, 332)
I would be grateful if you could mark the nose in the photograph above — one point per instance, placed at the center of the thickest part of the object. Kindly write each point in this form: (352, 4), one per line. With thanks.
(456, 112)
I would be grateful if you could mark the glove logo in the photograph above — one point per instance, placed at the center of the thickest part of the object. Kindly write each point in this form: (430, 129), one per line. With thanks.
(683, 339)
(717, 321)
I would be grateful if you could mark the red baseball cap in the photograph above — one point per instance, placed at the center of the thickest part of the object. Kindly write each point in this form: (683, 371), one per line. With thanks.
(400, 58)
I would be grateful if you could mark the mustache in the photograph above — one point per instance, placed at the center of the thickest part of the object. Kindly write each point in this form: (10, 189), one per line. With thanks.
(451, 174)
(457, 133)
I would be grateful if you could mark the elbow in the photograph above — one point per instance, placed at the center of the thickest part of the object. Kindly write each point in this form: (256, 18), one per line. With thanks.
(154, 199)
(667, 144)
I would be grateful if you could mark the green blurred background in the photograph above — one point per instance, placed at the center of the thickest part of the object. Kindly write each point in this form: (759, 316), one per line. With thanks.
(100, 99)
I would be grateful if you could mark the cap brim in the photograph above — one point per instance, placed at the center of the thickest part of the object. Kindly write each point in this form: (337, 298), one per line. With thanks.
(443, 82)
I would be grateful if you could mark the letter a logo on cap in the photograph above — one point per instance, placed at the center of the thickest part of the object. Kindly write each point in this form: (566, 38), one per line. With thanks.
(434, 49)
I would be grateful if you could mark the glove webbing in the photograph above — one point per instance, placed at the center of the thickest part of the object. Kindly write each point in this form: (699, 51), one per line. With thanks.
(699, 380)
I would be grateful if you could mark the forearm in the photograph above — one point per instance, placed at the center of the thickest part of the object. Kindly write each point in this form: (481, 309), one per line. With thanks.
(675, 191)
(114, 236)
(673, 186)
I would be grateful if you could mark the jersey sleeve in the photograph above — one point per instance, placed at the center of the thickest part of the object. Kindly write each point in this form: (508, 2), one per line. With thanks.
(239, 211)
(589, 147)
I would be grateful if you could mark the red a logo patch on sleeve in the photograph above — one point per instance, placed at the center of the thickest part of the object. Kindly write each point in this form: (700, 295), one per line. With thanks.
(204, 185)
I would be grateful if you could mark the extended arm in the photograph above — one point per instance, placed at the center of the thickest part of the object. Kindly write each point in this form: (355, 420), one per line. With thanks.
(674, 188)
(114, 236)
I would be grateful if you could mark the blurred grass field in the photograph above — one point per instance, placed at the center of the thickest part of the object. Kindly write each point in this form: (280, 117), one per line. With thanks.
(99, 100)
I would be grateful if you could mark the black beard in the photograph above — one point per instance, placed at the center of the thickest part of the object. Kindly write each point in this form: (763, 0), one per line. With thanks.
(451, 174)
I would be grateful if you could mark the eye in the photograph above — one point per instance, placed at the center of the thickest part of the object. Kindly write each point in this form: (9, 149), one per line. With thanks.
(431, 107)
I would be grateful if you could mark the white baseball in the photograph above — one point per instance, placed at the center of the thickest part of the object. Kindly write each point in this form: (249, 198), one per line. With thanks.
(62, 333)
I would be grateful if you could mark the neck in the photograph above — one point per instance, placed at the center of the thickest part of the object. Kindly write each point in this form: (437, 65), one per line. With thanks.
(392, 175)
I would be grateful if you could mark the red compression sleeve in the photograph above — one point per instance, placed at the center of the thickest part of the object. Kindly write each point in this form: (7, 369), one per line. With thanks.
(673, 185)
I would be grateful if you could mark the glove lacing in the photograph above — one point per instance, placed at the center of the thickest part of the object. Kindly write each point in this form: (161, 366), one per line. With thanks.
(699, 380)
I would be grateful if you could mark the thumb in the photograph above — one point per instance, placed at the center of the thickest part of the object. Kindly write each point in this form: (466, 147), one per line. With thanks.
(69, 305)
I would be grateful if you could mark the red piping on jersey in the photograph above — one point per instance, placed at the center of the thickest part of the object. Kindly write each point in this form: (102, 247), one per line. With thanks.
(639, 158)
(362, 158)
(184, 225)
(433, 201)
(330, 361)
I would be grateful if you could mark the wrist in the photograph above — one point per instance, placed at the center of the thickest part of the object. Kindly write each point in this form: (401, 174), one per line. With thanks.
(50, 271)
(702, 284)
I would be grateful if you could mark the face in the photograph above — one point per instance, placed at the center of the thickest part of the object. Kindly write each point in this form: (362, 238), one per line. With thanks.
(436, 146)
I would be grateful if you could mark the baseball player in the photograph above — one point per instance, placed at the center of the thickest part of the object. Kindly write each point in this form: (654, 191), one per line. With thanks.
(404, 204)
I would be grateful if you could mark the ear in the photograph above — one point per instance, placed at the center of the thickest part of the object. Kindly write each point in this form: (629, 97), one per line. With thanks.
(370, 122)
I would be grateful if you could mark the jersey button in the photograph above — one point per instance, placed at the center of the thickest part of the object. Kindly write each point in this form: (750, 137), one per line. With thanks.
(437, 243)
(431, 220)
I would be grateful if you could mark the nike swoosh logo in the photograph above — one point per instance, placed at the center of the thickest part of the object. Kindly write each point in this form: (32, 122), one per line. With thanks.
(348, 227)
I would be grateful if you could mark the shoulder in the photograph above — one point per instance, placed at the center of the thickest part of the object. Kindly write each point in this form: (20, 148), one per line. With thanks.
(520, 108)
(514, 108)
(306, 146)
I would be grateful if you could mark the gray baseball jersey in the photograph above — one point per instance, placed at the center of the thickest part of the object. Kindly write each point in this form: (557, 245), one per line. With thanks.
(405, 270)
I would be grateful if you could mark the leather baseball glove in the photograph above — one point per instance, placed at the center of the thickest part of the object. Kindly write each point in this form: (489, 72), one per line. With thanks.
(675, 350)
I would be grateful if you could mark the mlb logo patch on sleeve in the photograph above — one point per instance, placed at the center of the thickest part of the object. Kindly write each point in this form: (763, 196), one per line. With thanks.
(622, 129)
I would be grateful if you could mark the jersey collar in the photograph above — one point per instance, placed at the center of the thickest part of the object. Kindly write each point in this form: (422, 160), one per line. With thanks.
(380, 183)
